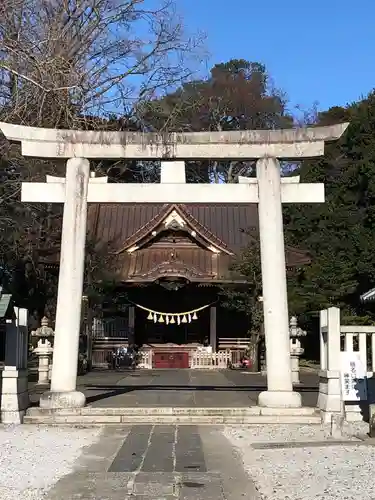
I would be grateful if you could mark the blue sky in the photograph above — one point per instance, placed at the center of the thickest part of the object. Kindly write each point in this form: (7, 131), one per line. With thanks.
(315, 50)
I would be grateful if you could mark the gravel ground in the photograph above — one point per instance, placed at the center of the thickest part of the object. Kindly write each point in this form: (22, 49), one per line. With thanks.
(307, 473)
(33, 459)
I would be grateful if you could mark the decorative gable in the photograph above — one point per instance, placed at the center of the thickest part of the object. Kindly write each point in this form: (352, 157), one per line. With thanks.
(175, 218)
(174, 221)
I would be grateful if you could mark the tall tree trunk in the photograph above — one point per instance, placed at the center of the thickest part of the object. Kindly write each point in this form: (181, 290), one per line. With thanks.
(253, 357)
(253, 351)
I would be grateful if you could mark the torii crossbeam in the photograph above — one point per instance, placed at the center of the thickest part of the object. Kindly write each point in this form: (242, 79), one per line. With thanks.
(98, 192)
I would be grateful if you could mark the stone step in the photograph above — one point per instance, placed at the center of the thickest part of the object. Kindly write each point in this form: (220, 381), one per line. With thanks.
(174, 411)
(193, 416)
(79, 420)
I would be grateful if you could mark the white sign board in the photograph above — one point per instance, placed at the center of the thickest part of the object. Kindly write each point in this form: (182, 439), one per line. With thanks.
(21, 316)
(353, 377)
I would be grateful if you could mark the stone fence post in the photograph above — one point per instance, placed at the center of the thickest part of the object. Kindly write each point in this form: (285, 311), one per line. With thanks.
(330, 400)
(14, 389)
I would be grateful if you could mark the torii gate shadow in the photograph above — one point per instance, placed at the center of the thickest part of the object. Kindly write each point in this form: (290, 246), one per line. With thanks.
(252, 390)
(241, 389)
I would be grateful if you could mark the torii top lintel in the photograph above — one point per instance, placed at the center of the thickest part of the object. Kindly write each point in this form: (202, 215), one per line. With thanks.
(247, 144)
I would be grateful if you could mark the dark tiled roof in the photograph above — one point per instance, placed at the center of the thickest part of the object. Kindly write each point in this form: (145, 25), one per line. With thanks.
(226, 226)
(194, 224)
(118, 223)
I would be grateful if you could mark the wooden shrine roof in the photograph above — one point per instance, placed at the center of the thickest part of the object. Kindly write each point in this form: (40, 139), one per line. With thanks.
(143, 251)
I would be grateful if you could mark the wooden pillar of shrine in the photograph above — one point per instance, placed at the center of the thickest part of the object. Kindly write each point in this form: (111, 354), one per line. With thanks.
(213, 314)
(131, 334)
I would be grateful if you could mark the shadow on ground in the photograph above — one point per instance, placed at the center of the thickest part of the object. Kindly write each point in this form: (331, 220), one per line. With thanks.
(110, 391)
(184, 388)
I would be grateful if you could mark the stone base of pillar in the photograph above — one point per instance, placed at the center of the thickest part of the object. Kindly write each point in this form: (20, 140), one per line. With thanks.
(14, 395)
(329, 399)
(372, 420)
(280, 399)
(60, 400)
(337, 426)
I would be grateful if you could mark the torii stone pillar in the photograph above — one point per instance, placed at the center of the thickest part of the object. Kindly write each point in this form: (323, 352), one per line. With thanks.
(63, 393)
(274, 288)
(68, 312)
(267, 189)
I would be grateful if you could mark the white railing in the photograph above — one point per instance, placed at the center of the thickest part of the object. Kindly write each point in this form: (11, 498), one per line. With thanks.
(361, 339)
(208, 361)
(225, 343)
(336, 341)
(145, 359)
(336, 338)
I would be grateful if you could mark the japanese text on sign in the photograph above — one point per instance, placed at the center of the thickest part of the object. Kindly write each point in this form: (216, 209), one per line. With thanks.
(353, 377)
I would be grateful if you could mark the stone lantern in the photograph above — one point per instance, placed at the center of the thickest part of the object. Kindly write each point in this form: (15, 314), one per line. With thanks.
(296, 350)
(44, 350)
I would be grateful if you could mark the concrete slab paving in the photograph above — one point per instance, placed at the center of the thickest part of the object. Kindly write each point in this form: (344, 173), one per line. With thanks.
(186, 388)
(180, 388)
(159, 463)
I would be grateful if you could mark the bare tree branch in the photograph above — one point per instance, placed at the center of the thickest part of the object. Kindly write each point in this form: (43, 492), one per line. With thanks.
(60, 59)
(80, 64)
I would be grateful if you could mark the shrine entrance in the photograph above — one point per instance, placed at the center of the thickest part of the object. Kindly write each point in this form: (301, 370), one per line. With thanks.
(172, 319)
(159, 317)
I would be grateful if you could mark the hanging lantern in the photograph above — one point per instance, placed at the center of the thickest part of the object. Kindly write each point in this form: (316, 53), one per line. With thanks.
(184, 320)
(161, 319)
(189, 318)
(155, 318)
(150, 316)
(167, 319)
(195, 315)
(173, 320)
(178, 320)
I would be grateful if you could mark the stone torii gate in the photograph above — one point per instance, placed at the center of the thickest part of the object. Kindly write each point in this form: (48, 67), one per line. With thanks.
(268, 190)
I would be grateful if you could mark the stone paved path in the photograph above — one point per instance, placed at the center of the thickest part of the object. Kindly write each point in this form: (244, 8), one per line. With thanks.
(158, 463)
(189, 388)
(186, 388)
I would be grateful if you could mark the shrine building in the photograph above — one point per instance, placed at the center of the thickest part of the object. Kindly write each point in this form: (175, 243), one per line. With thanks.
(171, 262)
